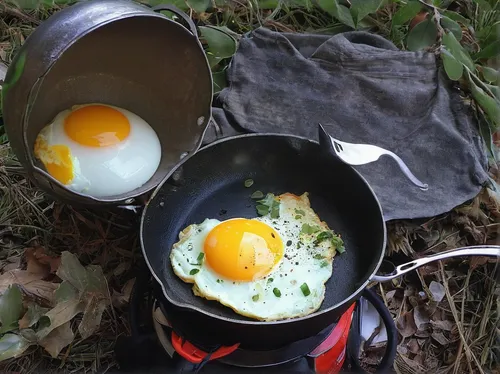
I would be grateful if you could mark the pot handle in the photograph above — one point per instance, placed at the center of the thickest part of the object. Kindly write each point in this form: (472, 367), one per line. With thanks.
(177, 12)
(477, 250)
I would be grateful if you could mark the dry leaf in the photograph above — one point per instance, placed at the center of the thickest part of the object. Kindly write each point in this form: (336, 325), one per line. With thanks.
(32, 315)
(440, 338)
(57, 339)
(121, 268)
(30, 283)
(421, 317)
(443, 325)
(92, 316)
(437, 291)
(33, 265)
(13, 263)
(120, 299)
(60, 314)
(406, 324)
(413, 346)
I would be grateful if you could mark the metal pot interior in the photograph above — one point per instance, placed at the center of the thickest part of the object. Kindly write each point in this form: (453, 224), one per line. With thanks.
(149, 65)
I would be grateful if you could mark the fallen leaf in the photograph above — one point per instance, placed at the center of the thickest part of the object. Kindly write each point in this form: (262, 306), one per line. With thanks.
(413, 346)
(120, 299)
(13, 262)
(437, 291)
(92, 317)
(477, 261)
(31, 283)
(121, 268)
(421, 317)
(32, 315)
(406, 324)
(65, 292)
(443, 325)
(72, 271)
(96, 281)
(29, 335)
(33, 265)
(12, 345)
(390, 295)
(60, 314)
(11, 308)
(57, 339)
(440, 338)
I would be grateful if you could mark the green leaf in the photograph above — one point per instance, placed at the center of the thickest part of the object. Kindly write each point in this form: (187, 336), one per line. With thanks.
(453, 46)
(490, 105)
(219, 81)
(11, 308)
(361, 8)
(489, 74)
(491, 50)
(257, 195)
(262, 210)
(454, 69)
(406, 13)
(456, 17)
(275, 210)
(322, 236)
(12, 345)
(276, 292)
(485, 132)
(318, 257)
(452, 26)
(199, 6)
(309, 229)
(340, 12)
(324, 264)
(305, 289)
(423, 35)
(255, 298)
(248, 183)
(194, 271)
(495, 90)
(32, 316)
(220, 43)
(200, 257)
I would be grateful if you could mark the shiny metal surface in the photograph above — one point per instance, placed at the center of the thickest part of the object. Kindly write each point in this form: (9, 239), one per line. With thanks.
(116, 52)
(478, 250)
(361, 154)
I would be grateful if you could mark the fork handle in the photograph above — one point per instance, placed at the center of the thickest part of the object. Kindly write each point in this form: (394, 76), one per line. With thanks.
(406, 171)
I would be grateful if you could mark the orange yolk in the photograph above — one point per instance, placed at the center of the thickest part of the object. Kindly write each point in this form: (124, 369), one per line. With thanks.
(97, 126)
(242, 249)
(56, 159)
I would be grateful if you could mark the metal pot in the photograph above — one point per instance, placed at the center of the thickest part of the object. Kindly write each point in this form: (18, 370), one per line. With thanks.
(115, 52)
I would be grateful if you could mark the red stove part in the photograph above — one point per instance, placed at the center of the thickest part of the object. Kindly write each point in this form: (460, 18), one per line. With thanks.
(329, 357)
(196, 355)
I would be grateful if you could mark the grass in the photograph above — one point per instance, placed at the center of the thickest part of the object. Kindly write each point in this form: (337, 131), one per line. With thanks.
(458, 334)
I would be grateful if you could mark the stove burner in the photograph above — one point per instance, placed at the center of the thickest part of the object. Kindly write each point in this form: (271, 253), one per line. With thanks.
(324, 353)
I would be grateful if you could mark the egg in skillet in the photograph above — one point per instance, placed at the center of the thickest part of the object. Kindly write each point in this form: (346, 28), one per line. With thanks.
(100, 150)
(268, 268)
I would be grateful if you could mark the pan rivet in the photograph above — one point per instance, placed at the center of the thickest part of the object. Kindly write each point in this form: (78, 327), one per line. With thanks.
(200, 121)
(129, 201)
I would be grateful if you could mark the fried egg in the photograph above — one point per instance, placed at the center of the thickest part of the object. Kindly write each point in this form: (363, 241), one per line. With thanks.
(99, 150)
(268, 268)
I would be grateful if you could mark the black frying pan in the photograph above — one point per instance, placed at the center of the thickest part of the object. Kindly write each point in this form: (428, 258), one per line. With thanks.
(210, 184)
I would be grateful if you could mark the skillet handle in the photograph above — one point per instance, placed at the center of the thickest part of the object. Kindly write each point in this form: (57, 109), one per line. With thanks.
(478, 250)
(179, 13)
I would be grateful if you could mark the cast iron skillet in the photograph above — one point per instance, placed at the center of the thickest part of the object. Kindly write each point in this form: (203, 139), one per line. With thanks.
(210, 184)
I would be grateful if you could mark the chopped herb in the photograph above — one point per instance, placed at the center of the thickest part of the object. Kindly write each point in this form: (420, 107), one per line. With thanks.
(255, 297)
(257, 195)
(200, 257)
(269, 280)
(194, 271)
(305, 289)
(275, 210)
(220, 281)
(341, 249)
(298, 217)
(299, 244)
(262, 210)
(248, 183)
(324, 264)
(308, 229)
(318, 257)
(322, 236)
(338, 243)
(288, 243)
(301, 212)
(276, 292)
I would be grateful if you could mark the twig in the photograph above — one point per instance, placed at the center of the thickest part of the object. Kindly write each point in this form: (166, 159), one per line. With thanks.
(468, 352)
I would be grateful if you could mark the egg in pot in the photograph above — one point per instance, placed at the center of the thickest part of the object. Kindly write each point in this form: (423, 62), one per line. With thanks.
(100, 150)
(267, 268)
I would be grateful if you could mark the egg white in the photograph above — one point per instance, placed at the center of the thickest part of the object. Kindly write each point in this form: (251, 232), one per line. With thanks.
(299, 265)
(112, 170)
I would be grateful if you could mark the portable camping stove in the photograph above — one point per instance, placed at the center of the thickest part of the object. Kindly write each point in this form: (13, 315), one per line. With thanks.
(157, 346)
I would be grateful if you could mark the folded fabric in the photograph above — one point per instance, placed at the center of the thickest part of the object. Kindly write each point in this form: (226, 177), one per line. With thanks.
(362, 89)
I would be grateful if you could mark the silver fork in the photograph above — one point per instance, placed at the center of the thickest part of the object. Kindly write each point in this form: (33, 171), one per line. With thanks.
(360, 154)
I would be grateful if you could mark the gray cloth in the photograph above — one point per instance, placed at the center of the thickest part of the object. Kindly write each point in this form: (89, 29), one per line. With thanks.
(363, 90)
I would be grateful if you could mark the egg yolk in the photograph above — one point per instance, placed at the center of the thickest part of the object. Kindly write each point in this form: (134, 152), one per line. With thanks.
(56, 159)
(97, 126)
(242, 249)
